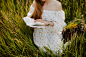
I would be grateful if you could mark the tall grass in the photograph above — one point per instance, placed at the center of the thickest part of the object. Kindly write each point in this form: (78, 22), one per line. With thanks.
(73, 8)
(16, 38)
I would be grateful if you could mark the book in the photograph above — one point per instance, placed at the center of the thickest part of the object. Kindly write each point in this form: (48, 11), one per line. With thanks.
(30, 23)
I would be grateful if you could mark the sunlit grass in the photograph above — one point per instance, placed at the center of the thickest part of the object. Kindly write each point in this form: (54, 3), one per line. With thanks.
(16, 38)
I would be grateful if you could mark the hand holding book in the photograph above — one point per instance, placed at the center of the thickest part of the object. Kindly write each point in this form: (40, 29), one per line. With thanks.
(39, 23)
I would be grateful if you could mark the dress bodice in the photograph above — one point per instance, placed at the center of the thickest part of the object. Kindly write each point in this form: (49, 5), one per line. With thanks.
(50, 15)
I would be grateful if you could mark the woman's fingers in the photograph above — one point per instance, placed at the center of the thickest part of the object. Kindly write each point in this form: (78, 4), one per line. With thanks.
(40, 28)
(35, 21)
(39, 20)
(33, 27)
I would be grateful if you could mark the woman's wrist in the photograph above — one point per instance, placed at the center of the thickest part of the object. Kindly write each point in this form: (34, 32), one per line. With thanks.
(51, 23)
(47, 22)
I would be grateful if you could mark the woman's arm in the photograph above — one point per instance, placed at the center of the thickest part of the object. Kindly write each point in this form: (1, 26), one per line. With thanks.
(45, 22)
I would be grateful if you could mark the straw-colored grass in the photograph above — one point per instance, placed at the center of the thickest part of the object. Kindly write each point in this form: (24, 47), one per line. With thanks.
(16, 38)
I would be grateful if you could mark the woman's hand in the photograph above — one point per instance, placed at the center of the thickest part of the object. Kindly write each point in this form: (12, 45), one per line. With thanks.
(42, 21)
(39, 20)
(45, 22)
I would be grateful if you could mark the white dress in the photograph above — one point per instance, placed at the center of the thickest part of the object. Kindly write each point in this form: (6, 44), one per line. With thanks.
(50, 35)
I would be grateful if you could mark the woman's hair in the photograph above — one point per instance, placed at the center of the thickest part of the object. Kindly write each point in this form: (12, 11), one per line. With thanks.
(37, 14)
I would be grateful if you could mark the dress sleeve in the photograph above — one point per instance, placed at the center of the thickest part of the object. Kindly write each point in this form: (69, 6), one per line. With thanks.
(27, 19)
(30, 11)
(59, 21)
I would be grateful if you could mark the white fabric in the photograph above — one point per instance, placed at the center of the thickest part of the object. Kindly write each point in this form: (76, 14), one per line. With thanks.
(28, 21)
(50, 35)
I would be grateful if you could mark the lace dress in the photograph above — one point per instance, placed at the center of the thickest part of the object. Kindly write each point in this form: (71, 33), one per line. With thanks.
(50, 35)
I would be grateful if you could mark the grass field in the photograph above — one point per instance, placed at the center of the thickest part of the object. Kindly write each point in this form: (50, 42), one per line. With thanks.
(16, 38)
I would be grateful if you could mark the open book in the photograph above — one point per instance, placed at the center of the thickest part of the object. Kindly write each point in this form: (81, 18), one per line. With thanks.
(30, 22)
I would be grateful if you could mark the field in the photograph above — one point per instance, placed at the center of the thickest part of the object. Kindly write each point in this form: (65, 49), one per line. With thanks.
(16, 38)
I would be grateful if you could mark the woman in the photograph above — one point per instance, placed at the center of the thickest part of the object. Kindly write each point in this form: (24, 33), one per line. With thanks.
(50, 10)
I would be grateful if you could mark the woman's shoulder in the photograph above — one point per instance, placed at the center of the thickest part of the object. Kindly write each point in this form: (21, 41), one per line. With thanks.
(33, 4)
(58, 5)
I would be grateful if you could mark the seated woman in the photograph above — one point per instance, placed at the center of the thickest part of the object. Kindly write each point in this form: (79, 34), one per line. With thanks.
(51, 11)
